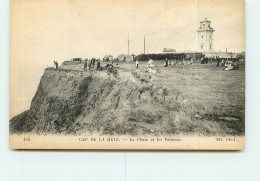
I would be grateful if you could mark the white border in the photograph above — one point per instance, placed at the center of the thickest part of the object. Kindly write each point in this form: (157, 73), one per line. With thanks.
(81, 165)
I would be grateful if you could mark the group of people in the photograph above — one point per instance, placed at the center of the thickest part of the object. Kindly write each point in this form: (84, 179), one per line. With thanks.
(204, 60)
(230, 65)
(182, 61)
(112, 63)
(89, 64)
(92, 63)
(150, 67)
(167, 62)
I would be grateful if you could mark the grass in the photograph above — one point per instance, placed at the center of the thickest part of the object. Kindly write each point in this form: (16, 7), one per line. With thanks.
(209, 92)
(192, 99)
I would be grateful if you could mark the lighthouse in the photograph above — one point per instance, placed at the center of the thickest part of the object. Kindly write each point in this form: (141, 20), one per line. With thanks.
(205, 36)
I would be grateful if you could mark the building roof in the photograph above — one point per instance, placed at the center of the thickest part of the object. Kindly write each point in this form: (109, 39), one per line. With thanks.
(205, 20)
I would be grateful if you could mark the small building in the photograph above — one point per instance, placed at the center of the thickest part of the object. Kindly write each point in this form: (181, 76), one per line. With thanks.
(168, 50)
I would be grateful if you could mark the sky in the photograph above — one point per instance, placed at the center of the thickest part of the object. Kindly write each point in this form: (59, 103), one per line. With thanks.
(63, 29)
(43, 31)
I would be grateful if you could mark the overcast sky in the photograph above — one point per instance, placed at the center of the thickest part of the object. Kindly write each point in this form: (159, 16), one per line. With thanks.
(65, 29)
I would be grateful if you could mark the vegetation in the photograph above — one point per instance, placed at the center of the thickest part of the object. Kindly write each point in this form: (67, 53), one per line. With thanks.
(163, 56)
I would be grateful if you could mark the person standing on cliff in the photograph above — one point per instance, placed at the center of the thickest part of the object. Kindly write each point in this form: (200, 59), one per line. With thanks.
(56, 64)
(98, 65)
(191, 61)
(136, 64)
(89, 64)
(85, 65)
(94, 61)
(166, 63)
(218, 60)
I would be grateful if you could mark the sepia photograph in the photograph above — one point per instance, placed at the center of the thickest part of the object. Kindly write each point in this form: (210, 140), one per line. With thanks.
(112, 74)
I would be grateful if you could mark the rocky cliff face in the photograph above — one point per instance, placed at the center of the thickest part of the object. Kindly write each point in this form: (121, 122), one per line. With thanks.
(107, 102)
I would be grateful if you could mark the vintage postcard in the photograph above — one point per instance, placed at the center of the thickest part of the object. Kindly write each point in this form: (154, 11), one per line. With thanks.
(127, 75)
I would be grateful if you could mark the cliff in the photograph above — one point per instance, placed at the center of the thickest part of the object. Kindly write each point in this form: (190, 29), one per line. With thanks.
(128, 102)
(103, 101)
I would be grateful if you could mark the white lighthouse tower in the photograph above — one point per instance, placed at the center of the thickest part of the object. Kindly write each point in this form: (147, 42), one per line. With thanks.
(205, 36)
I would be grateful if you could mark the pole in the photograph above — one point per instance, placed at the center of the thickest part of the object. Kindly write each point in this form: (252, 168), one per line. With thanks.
(144, 44)
(128, 44)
